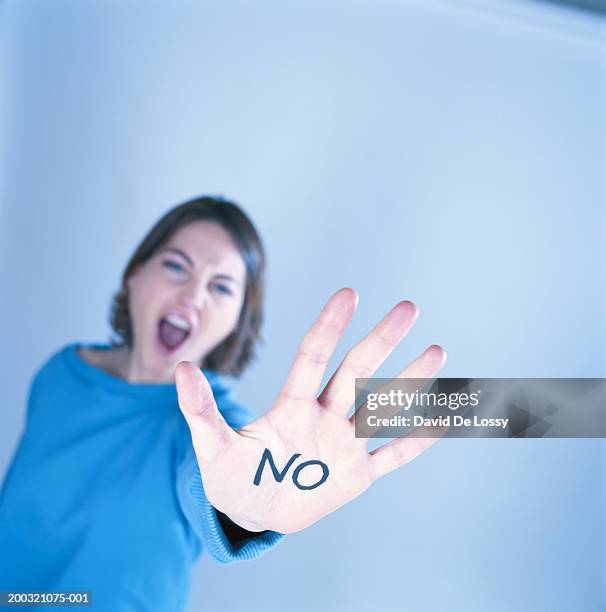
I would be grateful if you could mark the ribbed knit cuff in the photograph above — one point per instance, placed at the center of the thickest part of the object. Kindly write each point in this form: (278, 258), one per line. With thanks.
(204, 519)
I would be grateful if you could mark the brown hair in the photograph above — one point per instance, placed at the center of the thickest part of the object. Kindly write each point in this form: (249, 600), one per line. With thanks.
(239, 348)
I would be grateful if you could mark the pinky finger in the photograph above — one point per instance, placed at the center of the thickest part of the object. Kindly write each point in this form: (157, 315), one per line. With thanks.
(401, 451)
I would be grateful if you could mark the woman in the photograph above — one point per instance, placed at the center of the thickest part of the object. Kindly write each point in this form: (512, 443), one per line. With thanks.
(104, 493)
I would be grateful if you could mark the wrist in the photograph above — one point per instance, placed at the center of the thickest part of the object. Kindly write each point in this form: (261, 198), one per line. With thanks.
(242, 523)
(248, 525)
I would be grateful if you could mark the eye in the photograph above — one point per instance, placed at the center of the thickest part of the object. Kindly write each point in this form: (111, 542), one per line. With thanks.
(223, 289)
(173, 265)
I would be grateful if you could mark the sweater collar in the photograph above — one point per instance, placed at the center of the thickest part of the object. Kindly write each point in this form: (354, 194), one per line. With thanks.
(101, 377)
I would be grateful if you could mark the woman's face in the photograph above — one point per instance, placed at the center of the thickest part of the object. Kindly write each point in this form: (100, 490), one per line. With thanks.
(184, 300)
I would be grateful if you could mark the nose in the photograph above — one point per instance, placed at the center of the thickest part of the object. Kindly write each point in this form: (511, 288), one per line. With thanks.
(195, 294)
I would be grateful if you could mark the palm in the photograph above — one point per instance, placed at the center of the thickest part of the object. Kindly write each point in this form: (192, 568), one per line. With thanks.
(301, 460)
(314, 433)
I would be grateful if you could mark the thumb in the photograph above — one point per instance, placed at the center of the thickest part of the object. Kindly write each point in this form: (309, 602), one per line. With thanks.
(210, 433)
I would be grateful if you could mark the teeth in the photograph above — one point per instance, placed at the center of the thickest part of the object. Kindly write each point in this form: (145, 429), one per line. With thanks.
(177, 321)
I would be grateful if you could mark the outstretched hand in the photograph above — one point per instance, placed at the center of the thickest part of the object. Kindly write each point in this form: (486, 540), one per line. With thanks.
(301, 460)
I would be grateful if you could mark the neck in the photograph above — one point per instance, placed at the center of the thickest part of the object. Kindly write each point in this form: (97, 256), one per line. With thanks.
(132, 368)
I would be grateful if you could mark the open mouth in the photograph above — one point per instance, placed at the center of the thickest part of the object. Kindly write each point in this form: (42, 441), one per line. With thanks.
(172, 333)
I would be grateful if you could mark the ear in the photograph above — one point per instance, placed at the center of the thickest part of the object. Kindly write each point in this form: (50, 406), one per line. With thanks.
(129, 280)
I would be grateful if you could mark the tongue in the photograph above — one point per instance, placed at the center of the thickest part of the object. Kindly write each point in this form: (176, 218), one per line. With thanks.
(170, 335)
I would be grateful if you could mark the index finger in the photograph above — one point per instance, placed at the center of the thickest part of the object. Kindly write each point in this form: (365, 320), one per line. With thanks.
(318, 345)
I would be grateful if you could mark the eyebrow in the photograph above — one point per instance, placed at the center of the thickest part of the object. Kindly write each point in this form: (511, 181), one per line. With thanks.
(184, 255)
(191, 263)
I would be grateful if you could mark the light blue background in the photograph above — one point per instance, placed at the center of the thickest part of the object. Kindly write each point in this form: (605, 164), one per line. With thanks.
(452, 153)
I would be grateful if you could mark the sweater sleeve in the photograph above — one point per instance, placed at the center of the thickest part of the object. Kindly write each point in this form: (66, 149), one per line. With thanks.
(225, 541)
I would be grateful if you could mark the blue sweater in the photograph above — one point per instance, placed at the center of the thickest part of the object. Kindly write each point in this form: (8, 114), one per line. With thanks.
(104, 492)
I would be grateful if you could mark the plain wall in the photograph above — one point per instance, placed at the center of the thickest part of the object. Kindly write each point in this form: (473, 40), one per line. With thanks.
(452, 153)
